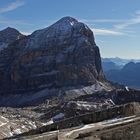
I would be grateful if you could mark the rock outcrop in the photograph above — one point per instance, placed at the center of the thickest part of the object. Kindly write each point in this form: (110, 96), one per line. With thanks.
(62, 55)
(8, 36)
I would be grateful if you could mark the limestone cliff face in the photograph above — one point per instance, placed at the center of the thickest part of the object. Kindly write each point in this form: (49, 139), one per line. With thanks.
(64, 54)
(7, 37)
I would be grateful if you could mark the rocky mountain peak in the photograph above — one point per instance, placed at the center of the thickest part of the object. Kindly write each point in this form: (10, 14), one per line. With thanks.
(66, 55)
(8, 36)
(67, 19)
(66, 31)
(60, 56)
(9, 33)
(10, 29)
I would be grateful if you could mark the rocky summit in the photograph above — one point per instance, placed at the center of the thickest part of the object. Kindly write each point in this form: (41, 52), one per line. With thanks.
(8, 36)
(62, 55)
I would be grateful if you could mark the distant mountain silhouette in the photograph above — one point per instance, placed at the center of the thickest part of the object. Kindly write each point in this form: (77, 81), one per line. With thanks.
(119, 61)
(110, 66)
(129, 75)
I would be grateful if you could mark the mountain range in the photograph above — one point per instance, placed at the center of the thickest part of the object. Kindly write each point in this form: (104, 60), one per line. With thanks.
(128, 75)
(123, 71)
(119, 61)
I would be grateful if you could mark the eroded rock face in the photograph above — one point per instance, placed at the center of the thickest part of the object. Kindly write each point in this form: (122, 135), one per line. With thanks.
(64, 54)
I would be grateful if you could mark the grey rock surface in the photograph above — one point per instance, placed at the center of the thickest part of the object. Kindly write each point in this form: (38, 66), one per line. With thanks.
(62, 55)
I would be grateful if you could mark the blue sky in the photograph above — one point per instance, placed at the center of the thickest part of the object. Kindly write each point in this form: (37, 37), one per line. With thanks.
(115, 23)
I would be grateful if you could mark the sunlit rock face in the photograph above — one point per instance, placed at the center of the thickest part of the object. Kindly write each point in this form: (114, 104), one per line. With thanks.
(62, 55)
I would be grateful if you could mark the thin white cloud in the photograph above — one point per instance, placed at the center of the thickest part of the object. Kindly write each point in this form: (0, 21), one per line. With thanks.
(138, 12)
(102, 20)
(129, 22)
(12, 6)
(106, 32)
(9, 22)
(119, 26)
(120, 23)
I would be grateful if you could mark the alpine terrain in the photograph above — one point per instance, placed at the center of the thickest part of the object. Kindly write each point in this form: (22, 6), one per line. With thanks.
(52, 86)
